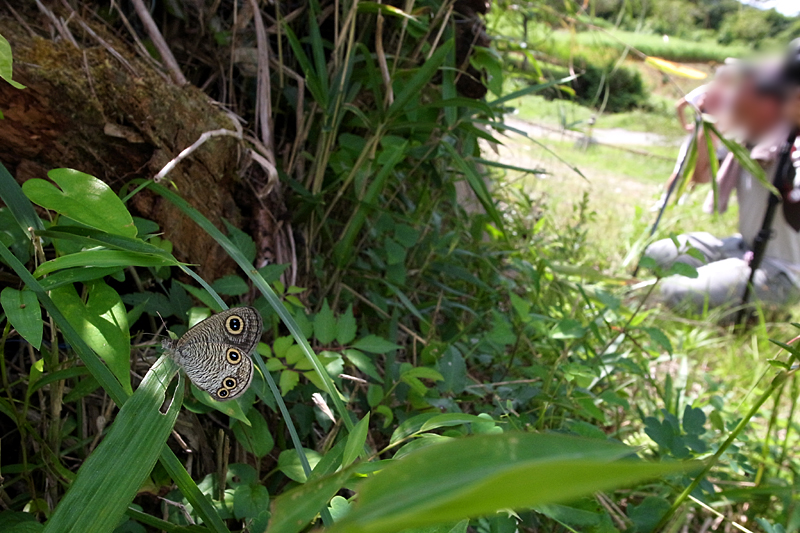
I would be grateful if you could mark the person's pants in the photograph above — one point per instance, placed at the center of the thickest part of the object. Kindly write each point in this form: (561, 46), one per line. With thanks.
(721, 276)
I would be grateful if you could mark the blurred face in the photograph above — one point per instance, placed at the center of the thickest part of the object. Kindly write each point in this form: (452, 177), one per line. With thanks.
(752, 112)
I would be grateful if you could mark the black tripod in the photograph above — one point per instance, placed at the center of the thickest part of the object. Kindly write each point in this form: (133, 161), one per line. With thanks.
(780, 182)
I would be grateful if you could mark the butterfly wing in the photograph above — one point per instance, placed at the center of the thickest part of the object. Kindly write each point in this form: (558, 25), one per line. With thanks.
(215, 352)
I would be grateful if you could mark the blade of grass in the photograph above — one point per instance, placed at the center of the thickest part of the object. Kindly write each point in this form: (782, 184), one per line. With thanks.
(17, 202)
(105, 486)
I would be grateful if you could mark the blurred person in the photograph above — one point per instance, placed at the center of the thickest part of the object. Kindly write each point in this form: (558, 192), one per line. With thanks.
(709, 99)
(760, 109)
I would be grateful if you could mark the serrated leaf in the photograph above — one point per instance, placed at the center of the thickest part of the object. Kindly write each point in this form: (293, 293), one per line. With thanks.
(231, 285)
(375, 344)
(325, 324)
(288, 381)
(346, 327)
(241, 240)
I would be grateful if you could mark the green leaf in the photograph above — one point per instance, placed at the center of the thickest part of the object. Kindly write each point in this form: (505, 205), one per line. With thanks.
(23, 312)
(242, 241)
(250, 500)
(363, 362)
(82, 198)
(256, 437)
(355, 441)
(294, 509)
(289, 463)
(659, 337)
(375, 344)
(693, 420)
(231, 285)
(682, 269)
(325, 324)
(568, 328)
(138, 434)
(346, 327)
(6, 63)
(102, 258)
(102, 323)
(232, 408)
(20, 207)
(288, 381)
(648, 514)
(480, 475)
(395, 253)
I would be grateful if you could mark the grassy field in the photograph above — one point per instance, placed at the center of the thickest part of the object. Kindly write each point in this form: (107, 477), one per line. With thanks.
(621, 186)
(569, 115)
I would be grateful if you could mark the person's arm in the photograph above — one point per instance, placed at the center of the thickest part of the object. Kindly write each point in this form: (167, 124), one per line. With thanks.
(679, 107)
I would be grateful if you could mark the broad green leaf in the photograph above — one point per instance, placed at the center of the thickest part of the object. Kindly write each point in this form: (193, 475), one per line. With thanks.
(83, 198)
(22, 310)
(325, 324)
(289, 463)
(90, 237)
(6, 63)
(450, 419)
(250, 500)
(480, 475)
(102, 322)
(125, 457)
(355, 441)
(294, 509)
(255, 438)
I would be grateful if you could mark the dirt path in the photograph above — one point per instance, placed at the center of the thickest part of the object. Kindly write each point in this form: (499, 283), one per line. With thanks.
(614, 136)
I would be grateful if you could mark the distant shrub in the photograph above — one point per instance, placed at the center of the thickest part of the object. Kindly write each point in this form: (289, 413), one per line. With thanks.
(623, 84)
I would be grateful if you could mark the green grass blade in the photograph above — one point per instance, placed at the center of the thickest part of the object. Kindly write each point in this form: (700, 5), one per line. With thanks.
(265, 289)
(343, 251)
(528, 90)
(105, 485)
(742, 155)
(481, 475)
(103, 258)
(421, 78)
(477, 184)
(19, 205)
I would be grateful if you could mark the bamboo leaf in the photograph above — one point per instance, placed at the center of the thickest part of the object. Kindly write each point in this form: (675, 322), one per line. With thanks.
(470, 477)
(104, 486)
